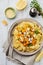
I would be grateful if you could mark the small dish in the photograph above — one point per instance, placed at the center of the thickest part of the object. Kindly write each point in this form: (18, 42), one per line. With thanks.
(10, 13)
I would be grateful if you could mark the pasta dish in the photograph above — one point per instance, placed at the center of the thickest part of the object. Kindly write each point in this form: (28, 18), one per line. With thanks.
(27, 36)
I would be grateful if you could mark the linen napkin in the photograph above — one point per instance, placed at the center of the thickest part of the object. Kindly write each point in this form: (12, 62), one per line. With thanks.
(14, 56)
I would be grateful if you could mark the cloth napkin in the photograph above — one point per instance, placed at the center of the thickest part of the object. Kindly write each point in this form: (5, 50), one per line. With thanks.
(14, 56)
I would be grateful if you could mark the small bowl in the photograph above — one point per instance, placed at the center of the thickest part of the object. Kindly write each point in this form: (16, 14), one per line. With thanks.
(14, 11)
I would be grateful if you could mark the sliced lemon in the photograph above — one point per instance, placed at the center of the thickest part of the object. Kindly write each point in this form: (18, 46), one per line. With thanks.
(21, 4)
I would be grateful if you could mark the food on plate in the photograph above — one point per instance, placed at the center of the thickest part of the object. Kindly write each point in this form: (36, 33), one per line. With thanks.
(38, 58)
(21, 4)
(10, 13)
(27, 36)
(4, 22)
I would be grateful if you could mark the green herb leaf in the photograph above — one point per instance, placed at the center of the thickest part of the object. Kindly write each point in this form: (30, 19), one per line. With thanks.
(35, 4)
(18, 39)
(30, 44)
(36, 31)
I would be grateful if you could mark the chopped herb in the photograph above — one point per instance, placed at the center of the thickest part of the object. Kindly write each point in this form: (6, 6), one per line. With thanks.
(36, 31)
(18, 39)
(30, 44)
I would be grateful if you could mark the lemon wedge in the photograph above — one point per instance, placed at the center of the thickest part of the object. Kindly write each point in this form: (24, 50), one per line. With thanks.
(21, 4)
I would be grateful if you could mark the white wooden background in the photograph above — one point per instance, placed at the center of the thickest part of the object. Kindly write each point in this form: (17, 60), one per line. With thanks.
(4, 29)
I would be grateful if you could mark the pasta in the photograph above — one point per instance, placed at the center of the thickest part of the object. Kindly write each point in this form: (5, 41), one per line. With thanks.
(27, 36)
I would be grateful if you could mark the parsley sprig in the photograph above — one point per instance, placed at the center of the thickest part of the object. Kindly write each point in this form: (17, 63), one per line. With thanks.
(35, 4)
